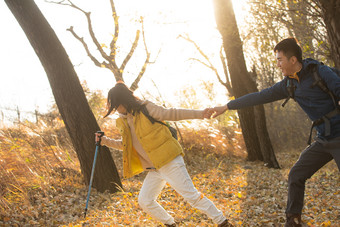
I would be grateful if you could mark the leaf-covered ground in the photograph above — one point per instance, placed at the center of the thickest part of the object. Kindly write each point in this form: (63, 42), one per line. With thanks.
(248, 193)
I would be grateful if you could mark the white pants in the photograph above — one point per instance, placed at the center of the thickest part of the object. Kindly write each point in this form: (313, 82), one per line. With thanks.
(176, 174)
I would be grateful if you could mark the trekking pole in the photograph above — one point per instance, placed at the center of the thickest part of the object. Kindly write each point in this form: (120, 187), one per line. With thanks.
(93, 166)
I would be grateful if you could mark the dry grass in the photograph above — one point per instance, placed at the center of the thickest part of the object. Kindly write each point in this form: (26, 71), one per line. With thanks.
(40, 183)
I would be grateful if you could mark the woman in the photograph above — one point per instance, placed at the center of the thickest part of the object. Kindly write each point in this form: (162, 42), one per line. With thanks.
(149, 146)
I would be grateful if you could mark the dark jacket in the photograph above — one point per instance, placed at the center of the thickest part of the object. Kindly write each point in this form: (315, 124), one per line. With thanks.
(313, 101)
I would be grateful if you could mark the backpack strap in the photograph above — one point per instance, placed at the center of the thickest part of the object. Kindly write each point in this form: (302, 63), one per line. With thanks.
(291, 90)
(153, 120)
(318, 81)
(172, 130)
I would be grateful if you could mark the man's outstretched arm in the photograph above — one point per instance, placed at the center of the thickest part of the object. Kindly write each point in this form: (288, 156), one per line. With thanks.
(271, 94)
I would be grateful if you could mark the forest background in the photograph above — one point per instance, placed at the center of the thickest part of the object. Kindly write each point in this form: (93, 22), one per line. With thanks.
(40, 168)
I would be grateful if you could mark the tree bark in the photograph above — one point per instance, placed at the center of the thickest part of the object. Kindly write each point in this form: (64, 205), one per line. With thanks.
(252, 119)
(331, 17)
(68, 93)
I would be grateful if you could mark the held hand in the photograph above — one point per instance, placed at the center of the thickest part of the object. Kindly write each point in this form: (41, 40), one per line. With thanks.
(207, 112)
(219, 110)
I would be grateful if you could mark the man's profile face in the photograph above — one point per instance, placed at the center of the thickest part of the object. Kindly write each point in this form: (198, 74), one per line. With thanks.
(286, 65)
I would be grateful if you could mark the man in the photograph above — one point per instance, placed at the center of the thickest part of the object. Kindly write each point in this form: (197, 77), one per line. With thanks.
(316, 103)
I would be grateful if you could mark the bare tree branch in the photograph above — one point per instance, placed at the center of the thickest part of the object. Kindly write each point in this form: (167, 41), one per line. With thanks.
(142, 22)
(132, 50)
(110, 62)
(134, 85)
(201, 62)
(209, 64)
(66, 3)
(296, 11)
(95, 61)
(94, 38)
(197, 47)
(113, 44)
(227, 84)
(89, 23)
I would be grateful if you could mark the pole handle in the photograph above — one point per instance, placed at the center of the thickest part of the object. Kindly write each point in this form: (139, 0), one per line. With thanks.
(99, 135)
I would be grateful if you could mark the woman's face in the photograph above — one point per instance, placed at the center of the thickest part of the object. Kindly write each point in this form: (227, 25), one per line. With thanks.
(121, 109)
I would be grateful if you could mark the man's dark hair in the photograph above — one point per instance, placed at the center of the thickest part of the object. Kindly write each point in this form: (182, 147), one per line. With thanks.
(290, 47)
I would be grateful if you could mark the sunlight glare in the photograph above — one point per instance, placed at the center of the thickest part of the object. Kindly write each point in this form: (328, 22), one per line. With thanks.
(240, 9)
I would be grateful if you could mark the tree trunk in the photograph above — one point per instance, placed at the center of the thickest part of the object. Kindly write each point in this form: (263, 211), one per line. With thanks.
(331, 17)
(252, 119)
(68, 93)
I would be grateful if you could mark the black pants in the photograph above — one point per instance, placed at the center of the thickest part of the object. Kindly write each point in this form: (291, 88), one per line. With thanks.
(311, 160)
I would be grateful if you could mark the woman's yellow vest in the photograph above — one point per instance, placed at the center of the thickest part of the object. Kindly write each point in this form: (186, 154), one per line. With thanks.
(155, 139)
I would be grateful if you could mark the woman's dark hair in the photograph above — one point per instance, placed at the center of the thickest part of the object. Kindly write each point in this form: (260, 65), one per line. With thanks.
(120, 94)
(290, 47)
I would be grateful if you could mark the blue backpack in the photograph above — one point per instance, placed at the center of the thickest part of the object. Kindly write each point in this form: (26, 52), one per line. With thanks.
(318, 81)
